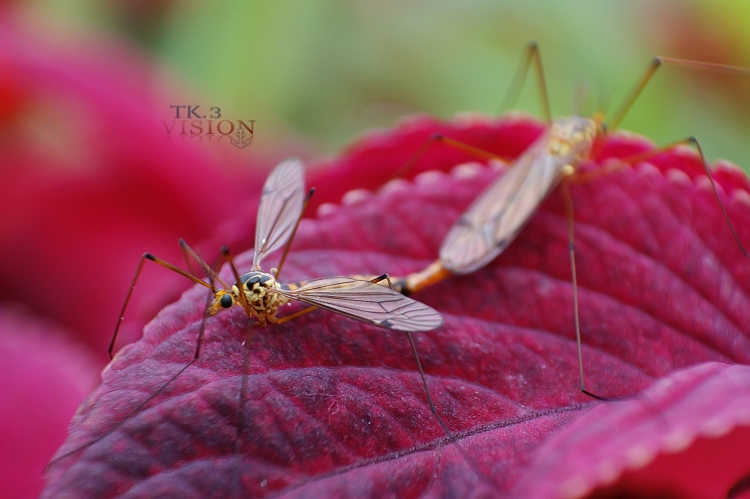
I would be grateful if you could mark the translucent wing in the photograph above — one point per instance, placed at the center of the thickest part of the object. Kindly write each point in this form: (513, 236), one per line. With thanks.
(280, 206)
(367, 301)
(501, 211)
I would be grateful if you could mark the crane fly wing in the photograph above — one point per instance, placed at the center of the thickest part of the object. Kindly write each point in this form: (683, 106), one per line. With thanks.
(496, 217)
(367, 301)
(280, 207)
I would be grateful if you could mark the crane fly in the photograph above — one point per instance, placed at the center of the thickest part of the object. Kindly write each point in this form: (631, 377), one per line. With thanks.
(261, 295)
(497, 216)
(501, 211)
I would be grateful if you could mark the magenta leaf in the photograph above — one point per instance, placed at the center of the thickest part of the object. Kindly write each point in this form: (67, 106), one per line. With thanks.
(688, 435)
(332, 407)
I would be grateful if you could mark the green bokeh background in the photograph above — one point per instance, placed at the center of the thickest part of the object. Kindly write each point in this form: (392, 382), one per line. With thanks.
(324, 70)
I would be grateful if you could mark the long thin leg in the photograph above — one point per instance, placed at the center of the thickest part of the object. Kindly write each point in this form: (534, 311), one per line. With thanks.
(228, 258)
(655, 64)
(615, 120)
(419, 365)
(572, 254)
(198, 344)
(211, 274)
(437, 137)
(462, 146)
(426, 388)
(589, 176)
(530, 55)
(694, 141)
(148, 256)
(236, 473)
(629, 161)
(187, 252)
(416, 156)
(295, 315)
(445, 428)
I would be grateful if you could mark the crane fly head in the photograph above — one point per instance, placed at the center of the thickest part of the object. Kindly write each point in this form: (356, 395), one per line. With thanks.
(571, 138)
(222, 300)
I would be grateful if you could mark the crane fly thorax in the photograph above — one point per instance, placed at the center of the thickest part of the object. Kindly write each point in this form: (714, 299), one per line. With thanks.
(258, 288)
(571, 139)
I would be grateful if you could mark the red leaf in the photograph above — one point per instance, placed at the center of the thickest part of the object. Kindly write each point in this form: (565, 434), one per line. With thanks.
(686, 436)
(332, 407)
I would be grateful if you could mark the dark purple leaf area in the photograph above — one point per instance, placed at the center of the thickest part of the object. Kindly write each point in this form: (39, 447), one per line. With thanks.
(331, 407)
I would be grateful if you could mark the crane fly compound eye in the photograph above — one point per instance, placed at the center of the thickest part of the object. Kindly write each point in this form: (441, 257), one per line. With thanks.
(226, 301)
